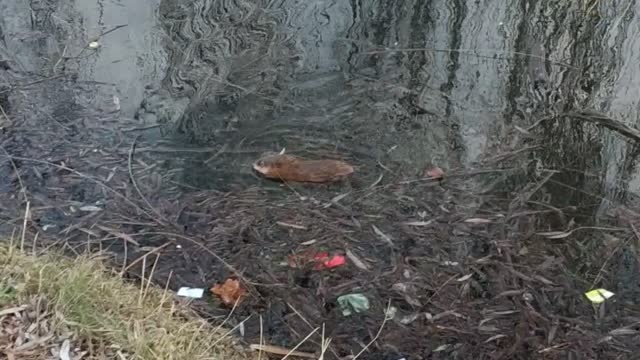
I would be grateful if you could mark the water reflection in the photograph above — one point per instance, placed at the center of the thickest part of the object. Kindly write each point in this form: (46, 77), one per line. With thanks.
(398, 83)
(442, 82)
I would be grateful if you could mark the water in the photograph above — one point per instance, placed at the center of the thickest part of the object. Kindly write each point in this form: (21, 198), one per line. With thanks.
(407, 83)
(390, 86)
(355, 77)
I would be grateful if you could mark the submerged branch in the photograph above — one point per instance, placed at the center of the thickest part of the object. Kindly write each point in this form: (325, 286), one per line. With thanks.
(599, 119)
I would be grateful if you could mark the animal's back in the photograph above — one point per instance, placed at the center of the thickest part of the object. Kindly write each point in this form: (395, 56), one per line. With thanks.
(324, 170)
(291, 168)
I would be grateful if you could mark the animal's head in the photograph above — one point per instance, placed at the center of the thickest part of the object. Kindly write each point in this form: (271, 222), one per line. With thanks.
(270, 162)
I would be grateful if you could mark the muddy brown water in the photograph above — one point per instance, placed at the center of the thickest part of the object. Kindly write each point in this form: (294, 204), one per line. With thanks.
(390, 86)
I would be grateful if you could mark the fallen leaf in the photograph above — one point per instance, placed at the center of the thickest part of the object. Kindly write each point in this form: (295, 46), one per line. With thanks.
(400, 287)
(230, 292)
(382, 235)
(335, 200)
(478, 221)
(418, 223)
(408, 319)
(339, 197)
(391, 312)
(293, 226)
(90, 208)
(356, 261)
(489, 328)
(495, 337)
(434, 173)
(555, 234)
(623, 331)
(464, 278)
(408, 291)
(441, 348)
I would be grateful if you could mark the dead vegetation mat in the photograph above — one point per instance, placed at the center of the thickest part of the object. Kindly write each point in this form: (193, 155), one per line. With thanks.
(458, 267)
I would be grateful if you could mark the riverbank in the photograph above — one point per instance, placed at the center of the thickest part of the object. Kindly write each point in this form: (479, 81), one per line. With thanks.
(56, 307)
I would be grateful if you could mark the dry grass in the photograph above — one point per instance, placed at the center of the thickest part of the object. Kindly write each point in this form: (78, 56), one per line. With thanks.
(50, 304)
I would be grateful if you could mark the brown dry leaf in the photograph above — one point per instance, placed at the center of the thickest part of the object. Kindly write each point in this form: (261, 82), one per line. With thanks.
(229, 292)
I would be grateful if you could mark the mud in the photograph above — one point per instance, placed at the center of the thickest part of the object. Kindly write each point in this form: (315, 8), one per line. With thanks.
(142, 148)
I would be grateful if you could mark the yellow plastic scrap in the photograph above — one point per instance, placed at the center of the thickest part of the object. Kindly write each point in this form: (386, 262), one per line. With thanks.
(598, 296)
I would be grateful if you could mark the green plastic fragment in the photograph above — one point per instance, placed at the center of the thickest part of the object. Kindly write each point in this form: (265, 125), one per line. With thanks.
(351, 303)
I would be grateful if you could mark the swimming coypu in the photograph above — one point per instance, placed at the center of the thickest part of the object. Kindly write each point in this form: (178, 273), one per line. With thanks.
(293, 168)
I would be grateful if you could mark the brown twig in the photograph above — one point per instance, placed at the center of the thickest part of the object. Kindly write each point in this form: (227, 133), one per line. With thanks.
(143, 257)
(162, 220)
(86, 177)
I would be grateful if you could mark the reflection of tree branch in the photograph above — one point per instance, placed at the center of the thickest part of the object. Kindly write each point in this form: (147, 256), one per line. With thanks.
(111, 30)
(600, 119)
(472, 52)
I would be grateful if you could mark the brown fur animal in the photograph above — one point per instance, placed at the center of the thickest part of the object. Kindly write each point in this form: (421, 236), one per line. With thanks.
(293, 168)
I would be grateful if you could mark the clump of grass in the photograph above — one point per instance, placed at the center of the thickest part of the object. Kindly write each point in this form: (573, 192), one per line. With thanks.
(100, 308)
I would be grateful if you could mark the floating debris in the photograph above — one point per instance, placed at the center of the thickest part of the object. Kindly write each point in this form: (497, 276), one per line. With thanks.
(91, 208)
(337, 260)
(230, 292)
(598, 296)
(351, 303)
(418, 223)
(478, 221)
(195, 293)
(320, 260)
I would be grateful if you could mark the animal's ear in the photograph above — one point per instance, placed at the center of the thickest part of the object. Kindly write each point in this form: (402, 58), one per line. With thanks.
(282, 151)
